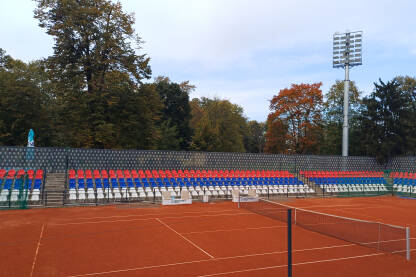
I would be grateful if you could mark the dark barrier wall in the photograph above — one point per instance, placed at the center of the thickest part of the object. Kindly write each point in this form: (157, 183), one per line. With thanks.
(61, 159)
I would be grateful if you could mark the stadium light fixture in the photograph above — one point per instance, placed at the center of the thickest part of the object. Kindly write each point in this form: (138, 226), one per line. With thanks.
(347, 52)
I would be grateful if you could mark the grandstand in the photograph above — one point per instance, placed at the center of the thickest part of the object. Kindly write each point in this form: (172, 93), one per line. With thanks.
(21, 185)
(404, 182)
(58, 176)
(149, 184)
(347, 181)
(116, 185)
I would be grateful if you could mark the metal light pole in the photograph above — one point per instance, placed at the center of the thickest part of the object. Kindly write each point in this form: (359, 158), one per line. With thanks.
(347, 52)
(345, 126)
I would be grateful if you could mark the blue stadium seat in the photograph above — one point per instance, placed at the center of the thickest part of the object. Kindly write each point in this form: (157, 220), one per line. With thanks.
(98, 183)
(38, 184)
(72, 184)
(18, 184)
(28, 184)
(81, 183)
(8, 184)
(114, 183)
(145, 183)
(122, 183)
(106, 184)
(90, 184)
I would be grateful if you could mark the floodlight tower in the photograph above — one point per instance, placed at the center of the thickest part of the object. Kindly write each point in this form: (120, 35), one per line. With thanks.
(347, 52)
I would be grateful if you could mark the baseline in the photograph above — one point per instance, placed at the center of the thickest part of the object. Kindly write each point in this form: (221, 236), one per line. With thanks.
(150, 218)
(144, 215)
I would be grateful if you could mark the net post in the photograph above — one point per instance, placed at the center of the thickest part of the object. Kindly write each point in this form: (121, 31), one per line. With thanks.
(289, 242)
(238, 203)
(408, 243)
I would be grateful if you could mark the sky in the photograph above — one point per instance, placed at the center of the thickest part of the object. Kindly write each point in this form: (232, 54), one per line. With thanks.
(246, 51)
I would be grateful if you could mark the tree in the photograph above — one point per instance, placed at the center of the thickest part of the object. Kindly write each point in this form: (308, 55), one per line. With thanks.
(254, 137)
(386, 113)
(333, 117)
(220, 126)
(94, 41)
(294, 123)
(408, 86)
(23, 102)
(176, 113)
(133, 114)
(92, 38)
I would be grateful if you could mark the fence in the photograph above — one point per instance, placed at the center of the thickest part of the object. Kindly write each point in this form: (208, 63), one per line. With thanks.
(62, 159)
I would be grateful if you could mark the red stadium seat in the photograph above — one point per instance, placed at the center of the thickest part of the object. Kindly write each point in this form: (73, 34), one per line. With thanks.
(104, 174)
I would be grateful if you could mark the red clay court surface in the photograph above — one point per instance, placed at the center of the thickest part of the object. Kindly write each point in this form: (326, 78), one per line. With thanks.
(194, 240)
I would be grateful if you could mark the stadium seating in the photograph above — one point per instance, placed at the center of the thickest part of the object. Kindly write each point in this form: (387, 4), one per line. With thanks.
(404, 182)
(347, 181)
(150, 184)
(15, 185)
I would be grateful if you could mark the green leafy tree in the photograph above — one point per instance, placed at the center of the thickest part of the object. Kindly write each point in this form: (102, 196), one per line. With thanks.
(333, 117)
(133, 114)
(93, 40)
(254, 140)
(176, 114)
(384, 121)
(408, 86)
(23, 103)
(221, 126)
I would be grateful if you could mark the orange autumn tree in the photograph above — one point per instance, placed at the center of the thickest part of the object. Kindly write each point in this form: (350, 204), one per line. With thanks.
(294, 123)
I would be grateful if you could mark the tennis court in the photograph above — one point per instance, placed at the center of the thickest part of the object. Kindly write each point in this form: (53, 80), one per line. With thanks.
(214, 239)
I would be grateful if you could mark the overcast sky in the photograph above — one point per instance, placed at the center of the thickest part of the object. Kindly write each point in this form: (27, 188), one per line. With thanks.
(246, 51)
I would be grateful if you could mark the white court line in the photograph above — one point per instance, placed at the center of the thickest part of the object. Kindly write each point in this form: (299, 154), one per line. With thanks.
(37, 250)
(212, 257)
(237, 229)
(142, 215)
(278, 266)
(209, 260)
(328, 206)
(150, 218)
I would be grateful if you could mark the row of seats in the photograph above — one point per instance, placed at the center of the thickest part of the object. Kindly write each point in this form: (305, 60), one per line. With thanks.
(175, 173)
(196, 192)
(404, 182)
(401, 174)
(354, 188)
(15, 185)
(337, 174)
(180, 182)
(347, 181)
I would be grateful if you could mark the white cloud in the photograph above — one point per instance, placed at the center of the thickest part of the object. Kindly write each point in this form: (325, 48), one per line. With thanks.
(216, 32)
(246, 50)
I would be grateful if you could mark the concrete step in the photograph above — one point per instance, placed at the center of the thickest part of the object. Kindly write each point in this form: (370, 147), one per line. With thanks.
(54, 187)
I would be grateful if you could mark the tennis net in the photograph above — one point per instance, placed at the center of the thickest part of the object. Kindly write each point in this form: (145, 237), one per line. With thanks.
(376, 235)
